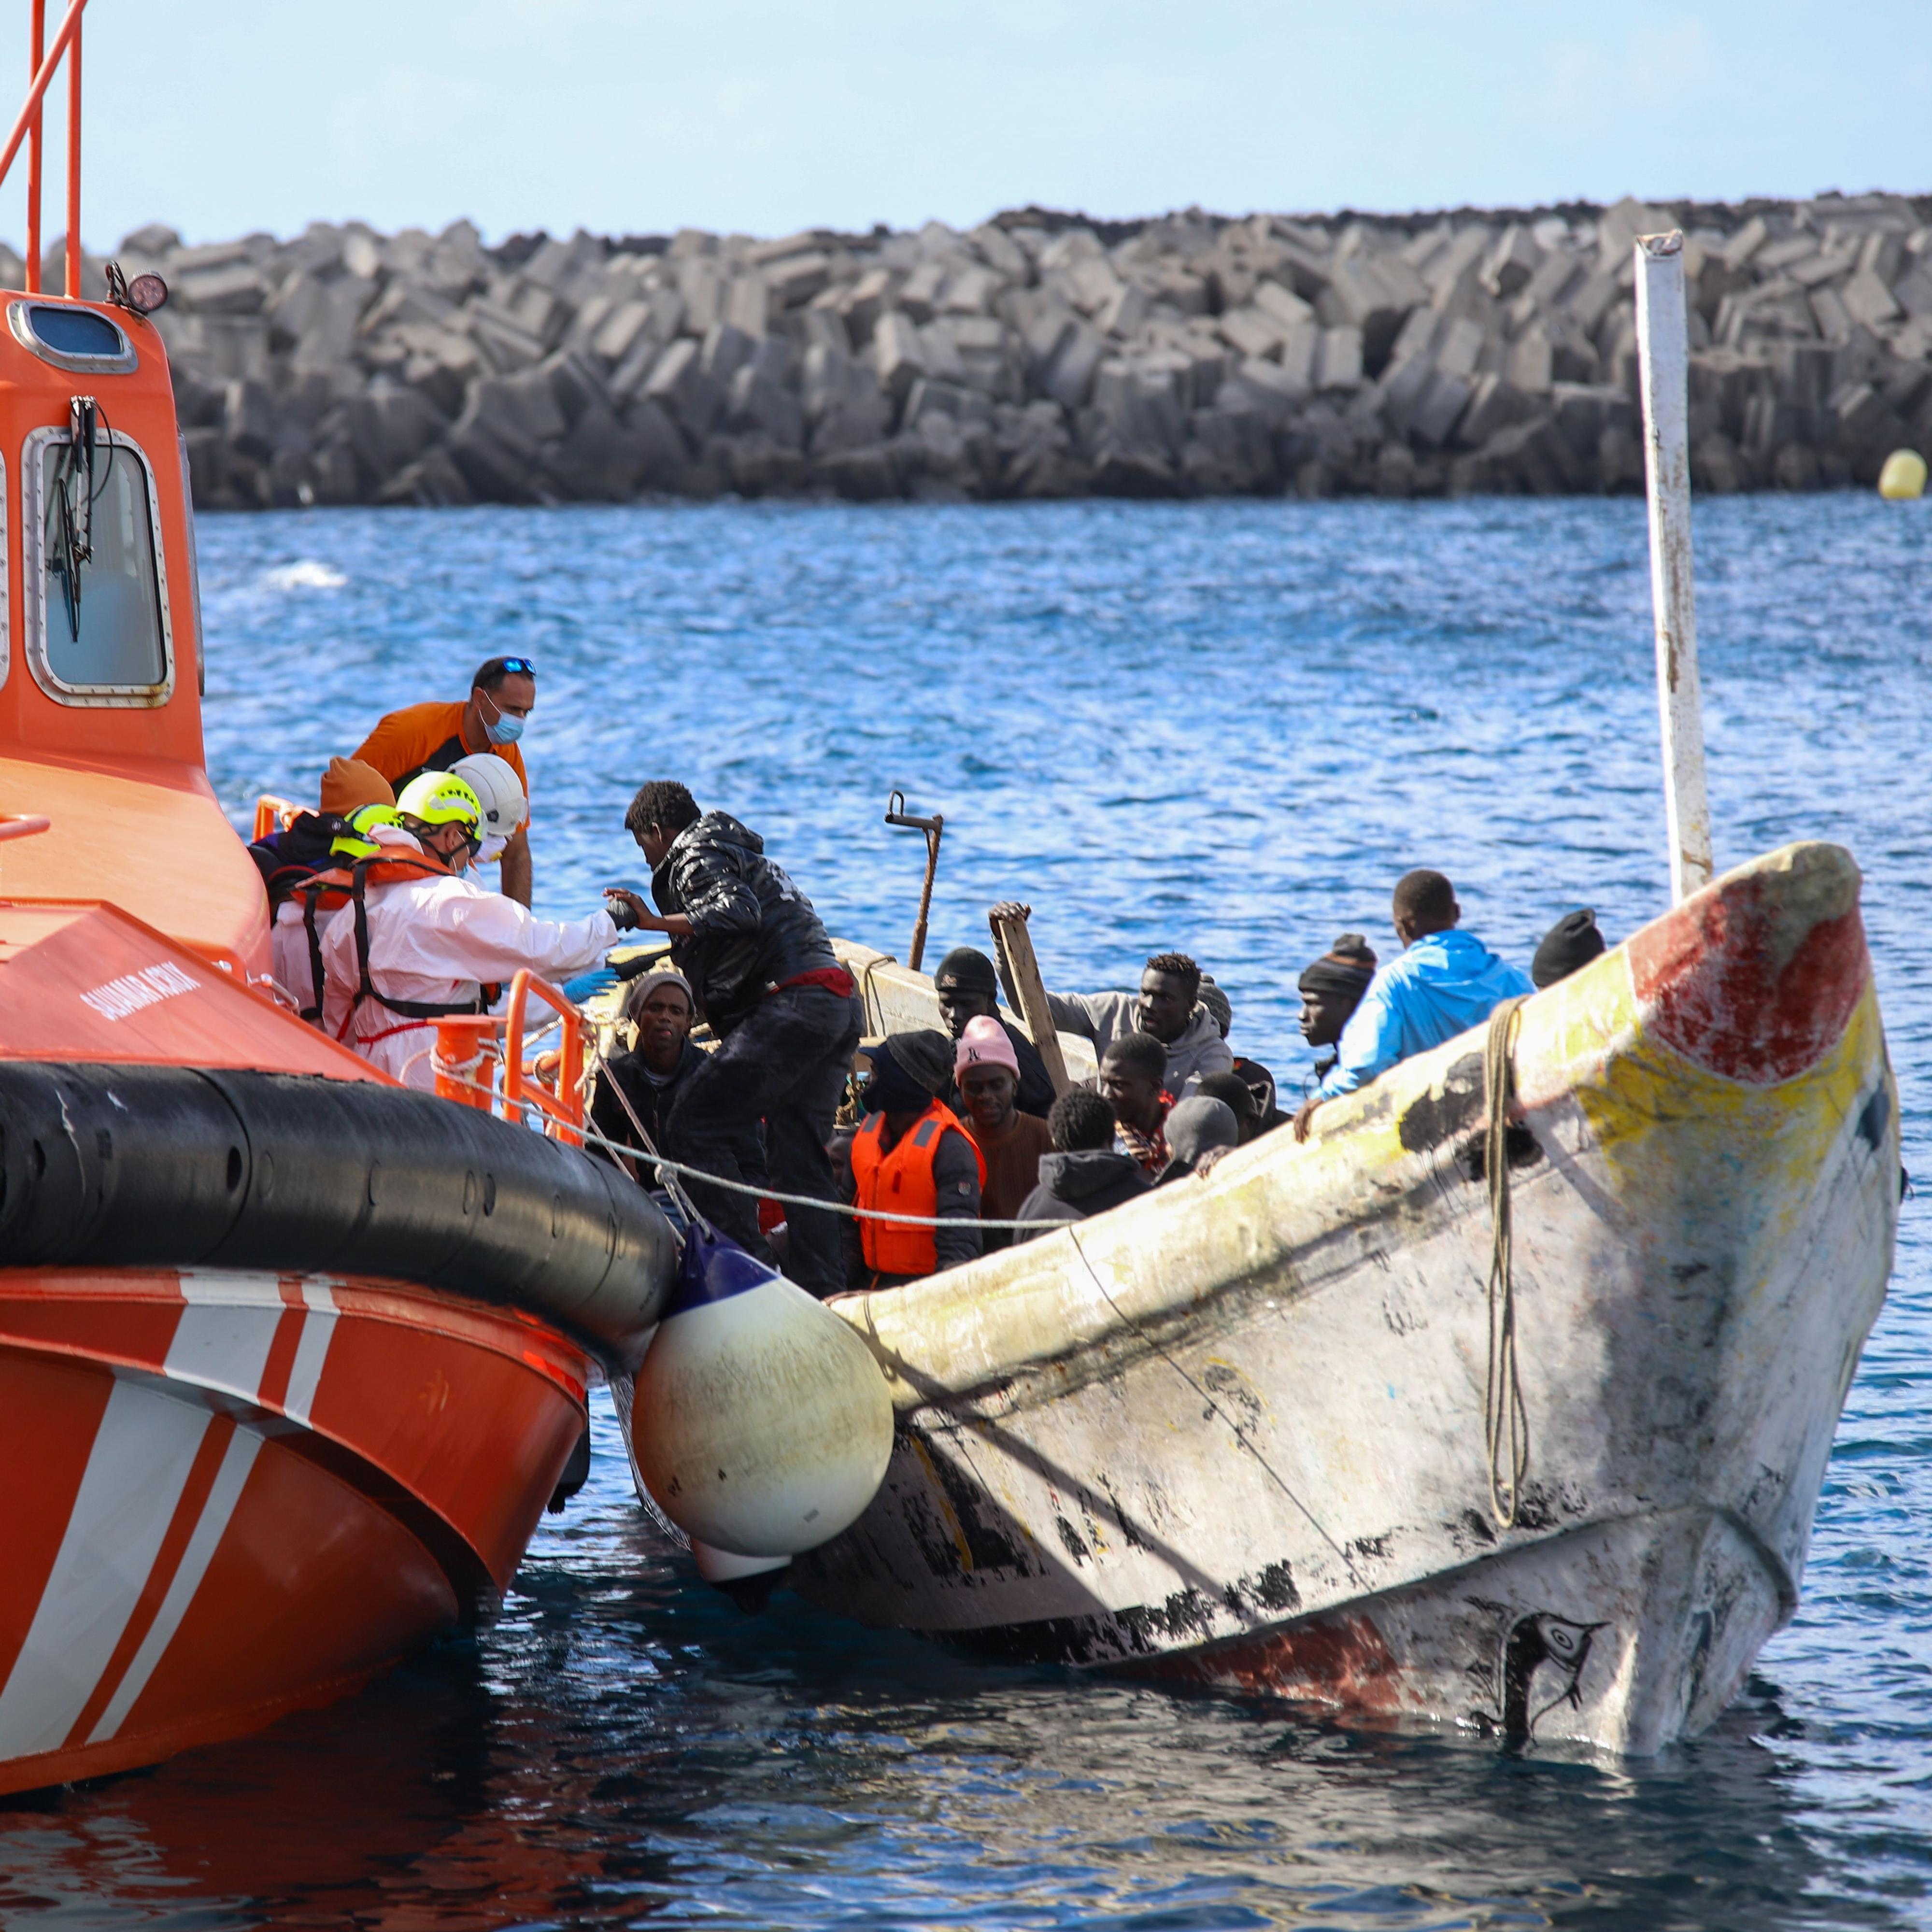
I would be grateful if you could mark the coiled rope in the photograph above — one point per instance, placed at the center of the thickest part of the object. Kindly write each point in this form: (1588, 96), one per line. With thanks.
(1505, 1419)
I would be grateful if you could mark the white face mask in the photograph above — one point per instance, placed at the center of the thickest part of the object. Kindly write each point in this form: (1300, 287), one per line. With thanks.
(490, 851)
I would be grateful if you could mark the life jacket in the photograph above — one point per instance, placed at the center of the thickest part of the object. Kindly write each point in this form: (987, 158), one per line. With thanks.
(341, 886)
(900, 1182)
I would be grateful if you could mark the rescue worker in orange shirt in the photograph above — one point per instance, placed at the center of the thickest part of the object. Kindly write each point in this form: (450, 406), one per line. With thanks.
(913, 1155)
(432, 737)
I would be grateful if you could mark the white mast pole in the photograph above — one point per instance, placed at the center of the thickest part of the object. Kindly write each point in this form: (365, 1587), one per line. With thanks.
(1663, 358)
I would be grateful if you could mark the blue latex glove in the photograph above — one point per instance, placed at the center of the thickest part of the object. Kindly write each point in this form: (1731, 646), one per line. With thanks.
(588, 985)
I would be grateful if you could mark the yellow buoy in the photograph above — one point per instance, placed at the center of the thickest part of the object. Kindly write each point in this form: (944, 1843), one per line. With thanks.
(1903, 478)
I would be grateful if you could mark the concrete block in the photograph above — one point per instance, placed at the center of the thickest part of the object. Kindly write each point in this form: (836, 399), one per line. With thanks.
(1070, 380)
(390, 426)
(1868, 300)
(1834, 318)
(700, 281)
(1746, 242)
(866, 300)
(577, 382)
(1000, 253)
(1556, 274)
(250, 419)
(1436, 414)
(1458, 346)
(234, 289)
(1462, 258)
(1912, 291)
(1532, 365)
(970, 289)
(746, 304)
(664, 463)
(793, 280)
(920, 294)
(1299, 349)
(1264, 388)
(1123, 313)
(506, 344)
(621, 331)
(725, 350)
(1590, 300)
(1338, 361)
(1250, 332)
(897, 357)
(1089, 283)
(826, 325)
(1511, 262)
(939, 351)
(759, 405)
(1228, 452)
(1617, 228)
(1281, 305)
(679, 386)
(1494, 403)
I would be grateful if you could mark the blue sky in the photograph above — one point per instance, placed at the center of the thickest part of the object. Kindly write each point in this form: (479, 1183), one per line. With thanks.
(768, 116)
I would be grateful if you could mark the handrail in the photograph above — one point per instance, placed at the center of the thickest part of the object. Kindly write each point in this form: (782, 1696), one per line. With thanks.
(273, 814)
(22, 824)
(30, 114)
(564, 1111)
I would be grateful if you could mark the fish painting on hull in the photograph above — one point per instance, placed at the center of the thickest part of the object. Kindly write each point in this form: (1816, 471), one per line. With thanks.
(1543, 1661)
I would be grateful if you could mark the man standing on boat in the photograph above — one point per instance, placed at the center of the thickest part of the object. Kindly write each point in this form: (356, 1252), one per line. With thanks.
(432, 737)
(967, 987)
(1168, 1006)
(1444, 983)
(786, 1012)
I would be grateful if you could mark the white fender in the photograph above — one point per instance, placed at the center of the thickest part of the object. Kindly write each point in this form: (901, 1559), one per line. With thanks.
(760, 1423)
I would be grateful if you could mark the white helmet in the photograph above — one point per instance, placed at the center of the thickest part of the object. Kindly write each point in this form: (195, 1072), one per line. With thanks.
(495, 782)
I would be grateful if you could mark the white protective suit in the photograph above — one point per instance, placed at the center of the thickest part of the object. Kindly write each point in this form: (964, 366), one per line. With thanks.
(434, 941)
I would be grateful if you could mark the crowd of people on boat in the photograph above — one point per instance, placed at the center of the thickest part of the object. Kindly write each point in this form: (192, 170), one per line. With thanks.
(955, 1143)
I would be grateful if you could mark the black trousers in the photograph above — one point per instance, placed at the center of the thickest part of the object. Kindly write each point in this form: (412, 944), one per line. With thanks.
(785, 1063)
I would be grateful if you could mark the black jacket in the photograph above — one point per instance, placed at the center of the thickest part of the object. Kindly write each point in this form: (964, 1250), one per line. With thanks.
(1036, 1093)
(752, 927)
(1073, 1186)
(652, 1105)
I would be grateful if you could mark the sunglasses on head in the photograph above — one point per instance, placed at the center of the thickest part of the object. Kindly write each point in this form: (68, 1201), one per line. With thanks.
(519, 667)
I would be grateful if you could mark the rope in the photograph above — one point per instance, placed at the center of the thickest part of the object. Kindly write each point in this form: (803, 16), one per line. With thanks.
(1505, 1419)
(758, 1193)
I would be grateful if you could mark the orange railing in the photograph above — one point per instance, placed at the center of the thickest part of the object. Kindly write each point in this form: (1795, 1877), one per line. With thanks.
(275, 815)
(472, 1049)
(27, 128)
(22, 824)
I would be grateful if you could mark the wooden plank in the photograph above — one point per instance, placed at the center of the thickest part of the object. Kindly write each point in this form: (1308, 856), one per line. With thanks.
(1022, 974)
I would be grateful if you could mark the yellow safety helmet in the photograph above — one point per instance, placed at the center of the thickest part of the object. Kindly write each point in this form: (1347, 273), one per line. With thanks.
(441, 798)
(356, 841)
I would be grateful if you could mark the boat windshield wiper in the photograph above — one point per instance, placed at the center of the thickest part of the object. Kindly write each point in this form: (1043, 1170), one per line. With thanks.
(76, 490)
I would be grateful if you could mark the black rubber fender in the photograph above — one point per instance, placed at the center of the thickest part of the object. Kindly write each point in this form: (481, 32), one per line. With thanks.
(172, 1167)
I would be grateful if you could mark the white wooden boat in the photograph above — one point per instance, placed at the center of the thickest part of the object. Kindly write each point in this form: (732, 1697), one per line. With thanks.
(1234, 1433)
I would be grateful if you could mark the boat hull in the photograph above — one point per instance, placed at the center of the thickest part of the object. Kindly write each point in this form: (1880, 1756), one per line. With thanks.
(228, 1495)
(1235, 1433)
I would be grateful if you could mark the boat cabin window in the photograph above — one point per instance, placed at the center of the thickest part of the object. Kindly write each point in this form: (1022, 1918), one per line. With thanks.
(72, 338)
(97, 607)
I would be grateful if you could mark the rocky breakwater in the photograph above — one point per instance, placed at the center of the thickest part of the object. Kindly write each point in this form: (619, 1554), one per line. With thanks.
(1041, 354)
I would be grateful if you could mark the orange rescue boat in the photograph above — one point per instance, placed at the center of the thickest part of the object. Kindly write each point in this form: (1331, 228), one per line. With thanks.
(291, 1359)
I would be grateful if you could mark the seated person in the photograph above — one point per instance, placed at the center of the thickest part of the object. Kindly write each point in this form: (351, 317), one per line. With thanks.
(1444, 983)
(1167, 1006)
(1199, 1132)
(660, 1007)
(1232, 1090)
(1218, 1004)
(1132, 1070)
(1331, 989)
(1083, 1175)
(912, 1155)
(1010, 1143)
(968, 989)
(1568, 946)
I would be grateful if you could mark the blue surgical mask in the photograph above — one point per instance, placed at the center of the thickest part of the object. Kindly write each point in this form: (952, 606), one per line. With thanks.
(507, 729)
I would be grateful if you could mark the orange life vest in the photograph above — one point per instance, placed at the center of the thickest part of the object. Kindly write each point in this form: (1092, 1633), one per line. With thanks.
(900, 1182)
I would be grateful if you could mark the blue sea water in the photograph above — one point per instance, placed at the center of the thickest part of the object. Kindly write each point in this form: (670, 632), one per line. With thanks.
(1224, 727)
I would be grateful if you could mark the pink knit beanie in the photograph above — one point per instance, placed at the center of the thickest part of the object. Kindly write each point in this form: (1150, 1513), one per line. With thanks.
(985, 1043)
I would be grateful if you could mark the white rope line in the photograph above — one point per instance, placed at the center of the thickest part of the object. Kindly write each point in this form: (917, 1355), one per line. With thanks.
(593, 1139)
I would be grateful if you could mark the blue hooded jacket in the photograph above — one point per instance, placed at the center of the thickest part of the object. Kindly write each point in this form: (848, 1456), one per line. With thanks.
(1444, 984)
